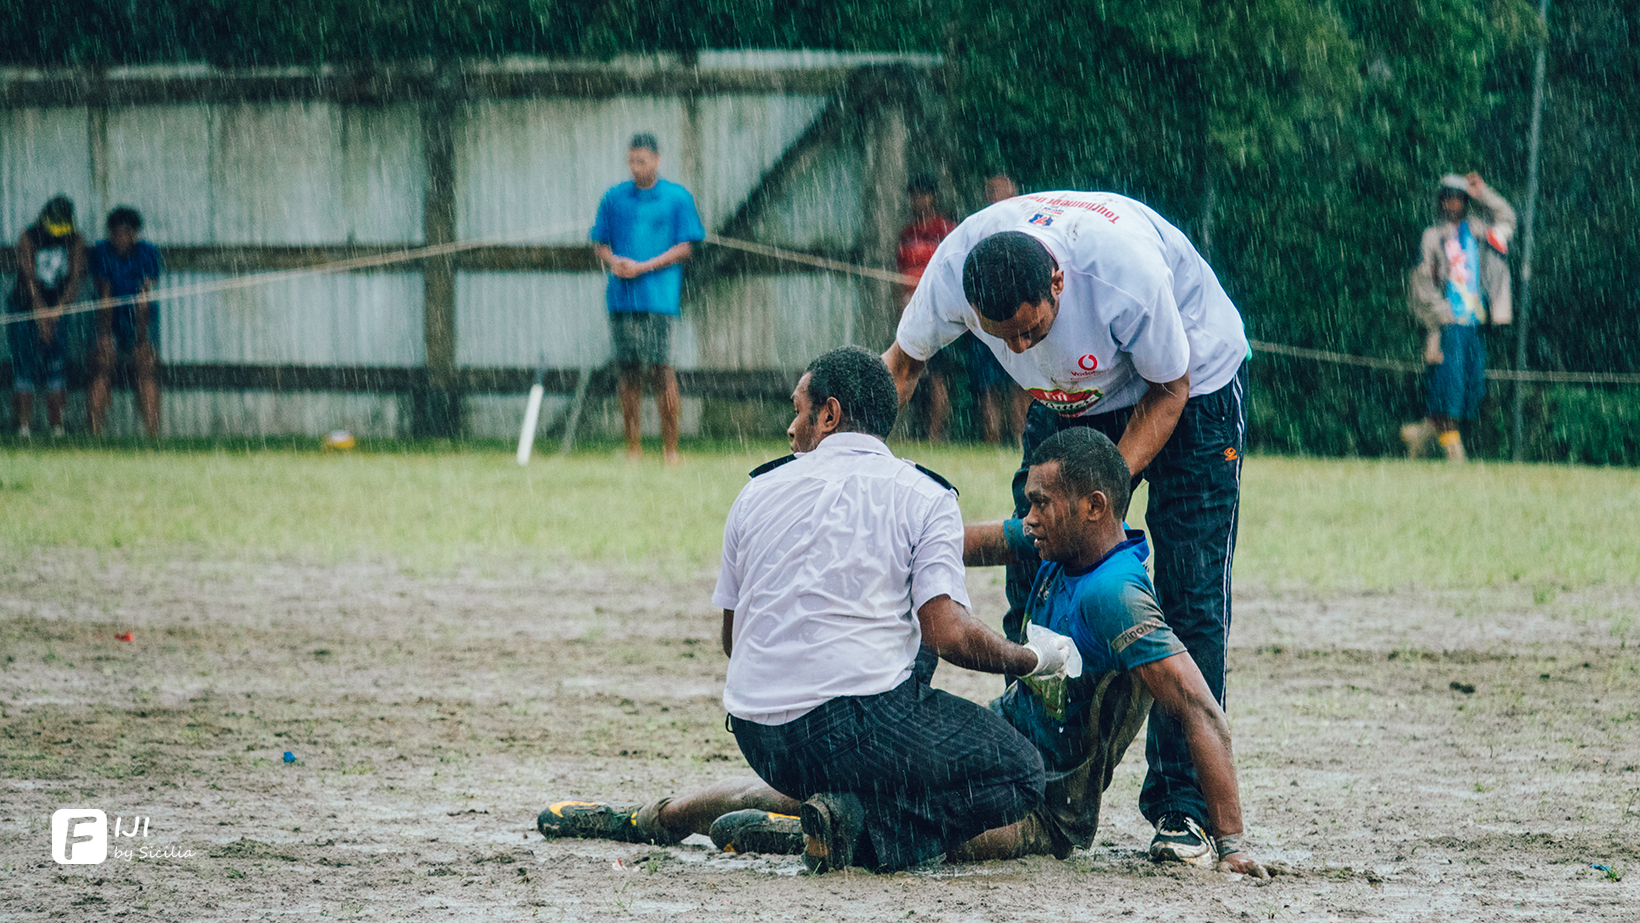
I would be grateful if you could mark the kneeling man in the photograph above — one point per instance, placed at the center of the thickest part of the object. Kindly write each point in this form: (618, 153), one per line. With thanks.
(839, 563)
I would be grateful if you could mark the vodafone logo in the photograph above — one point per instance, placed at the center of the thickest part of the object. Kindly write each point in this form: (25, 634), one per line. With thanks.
(1086, 365)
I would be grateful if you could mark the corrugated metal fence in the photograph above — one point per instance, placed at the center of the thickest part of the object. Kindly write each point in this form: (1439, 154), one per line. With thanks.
(244, 171)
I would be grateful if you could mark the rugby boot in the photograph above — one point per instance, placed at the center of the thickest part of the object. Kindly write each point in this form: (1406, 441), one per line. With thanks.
(1180, 839)
(598, 820)
(832, 826)
(751, 830)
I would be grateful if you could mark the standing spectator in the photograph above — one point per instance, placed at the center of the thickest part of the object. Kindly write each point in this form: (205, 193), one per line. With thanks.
(124, 266)
(918, 241)
(50, 268)
(995, 390)
(645, 229)
(1461, 283)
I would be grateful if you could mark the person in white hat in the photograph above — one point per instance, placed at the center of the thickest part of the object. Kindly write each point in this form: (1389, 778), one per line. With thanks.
(1460, 285)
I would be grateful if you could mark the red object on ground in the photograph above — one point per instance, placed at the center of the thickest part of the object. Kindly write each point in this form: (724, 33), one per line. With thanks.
(124, 637)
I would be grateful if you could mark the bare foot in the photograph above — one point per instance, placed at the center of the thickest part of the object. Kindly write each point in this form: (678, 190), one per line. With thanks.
(633, 455)
(673, 459)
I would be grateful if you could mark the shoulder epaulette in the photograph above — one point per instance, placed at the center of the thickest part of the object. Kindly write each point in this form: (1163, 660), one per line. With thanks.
(768, 466)
(936, 478)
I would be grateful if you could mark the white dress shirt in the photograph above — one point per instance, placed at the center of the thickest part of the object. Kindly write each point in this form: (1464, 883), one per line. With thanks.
(1140, 304)
(826, 561)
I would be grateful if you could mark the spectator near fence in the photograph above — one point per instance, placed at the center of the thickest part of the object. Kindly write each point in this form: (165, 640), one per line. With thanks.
(125, 266)
(1461, 284)
(51, 262)
(918, 241)
(645, 229)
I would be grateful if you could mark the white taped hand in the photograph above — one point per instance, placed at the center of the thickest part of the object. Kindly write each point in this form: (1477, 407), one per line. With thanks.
(1052, 654)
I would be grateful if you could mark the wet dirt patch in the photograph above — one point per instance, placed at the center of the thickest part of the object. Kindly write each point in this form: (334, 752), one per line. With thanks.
(1416, 756)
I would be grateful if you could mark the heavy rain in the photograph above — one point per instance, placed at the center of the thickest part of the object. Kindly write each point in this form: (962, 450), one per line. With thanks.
(375, 518)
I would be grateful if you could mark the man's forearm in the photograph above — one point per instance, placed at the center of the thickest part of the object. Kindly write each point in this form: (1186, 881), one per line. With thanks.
(1207, 734)
(675, 254)
(985, 544)
(905, 370)
(1152, 423)
(964, 641)
(604, 254)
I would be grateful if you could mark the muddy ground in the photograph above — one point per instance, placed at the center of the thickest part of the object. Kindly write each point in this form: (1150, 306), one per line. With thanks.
(1419, 755)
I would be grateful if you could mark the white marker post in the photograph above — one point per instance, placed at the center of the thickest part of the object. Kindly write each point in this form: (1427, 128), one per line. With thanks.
(532, 415)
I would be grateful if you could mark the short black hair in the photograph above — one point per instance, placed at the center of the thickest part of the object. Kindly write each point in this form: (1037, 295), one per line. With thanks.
(1005, 271)
(924, 183)
(1447, 192)
(645, 139)
(862, 384)
(125, 217)
(1088, 462)
(58, 208)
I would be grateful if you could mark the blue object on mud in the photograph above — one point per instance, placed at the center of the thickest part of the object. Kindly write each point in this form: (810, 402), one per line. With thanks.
(290, 757)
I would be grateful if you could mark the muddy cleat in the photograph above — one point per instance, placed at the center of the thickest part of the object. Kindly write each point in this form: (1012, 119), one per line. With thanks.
(598, 820)
(752, 830)
(1180, 839)
(832, 826)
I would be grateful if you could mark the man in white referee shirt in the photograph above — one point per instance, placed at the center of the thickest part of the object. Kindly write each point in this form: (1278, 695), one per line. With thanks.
(839, 562)
(1108, 316)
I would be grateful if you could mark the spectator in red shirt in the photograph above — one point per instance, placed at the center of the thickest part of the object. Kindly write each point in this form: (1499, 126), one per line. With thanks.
(918, 241)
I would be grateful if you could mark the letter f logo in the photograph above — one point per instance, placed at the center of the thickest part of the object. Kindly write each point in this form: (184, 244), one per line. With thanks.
(85, 828)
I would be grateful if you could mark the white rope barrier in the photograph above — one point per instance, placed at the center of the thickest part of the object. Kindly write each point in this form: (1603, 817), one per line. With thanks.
(776, 253)
(285, 275)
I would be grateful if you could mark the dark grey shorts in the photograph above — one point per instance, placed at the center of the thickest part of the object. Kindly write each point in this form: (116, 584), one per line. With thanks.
(641, 338)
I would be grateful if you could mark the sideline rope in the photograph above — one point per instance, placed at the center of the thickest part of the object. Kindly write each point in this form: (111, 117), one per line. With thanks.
(284, 275)
(777, 253)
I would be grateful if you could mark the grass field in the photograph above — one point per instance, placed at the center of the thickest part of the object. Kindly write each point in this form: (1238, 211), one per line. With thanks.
(1321, 523)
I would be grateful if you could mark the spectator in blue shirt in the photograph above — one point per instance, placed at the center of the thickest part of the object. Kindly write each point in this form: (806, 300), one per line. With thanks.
(122, 267)
(645, 229)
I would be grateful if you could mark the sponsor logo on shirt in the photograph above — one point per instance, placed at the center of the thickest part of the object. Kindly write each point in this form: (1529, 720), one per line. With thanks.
(1042, 220)
(1067, 403)
(1087, 365)
(1098, 208)
(1230, 454)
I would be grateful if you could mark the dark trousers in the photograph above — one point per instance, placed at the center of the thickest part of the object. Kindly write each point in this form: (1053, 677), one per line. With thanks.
(1195, 493)
(932, 770)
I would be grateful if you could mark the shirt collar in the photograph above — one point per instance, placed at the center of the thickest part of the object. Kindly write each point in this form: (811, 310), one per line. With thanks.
(850, 442)
(1135, 542)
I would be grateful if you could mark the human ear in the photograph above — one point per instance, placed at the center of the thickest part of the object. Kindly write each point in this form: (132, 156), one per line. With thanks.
(1056, 282)
(1098, 506)
(834, 415)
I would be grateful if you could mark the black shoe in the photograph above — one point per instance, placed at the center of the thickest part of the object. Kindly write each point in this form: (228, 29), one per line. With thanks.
(597, 820)
(752, 830)
(836, 822)
(1180, 839)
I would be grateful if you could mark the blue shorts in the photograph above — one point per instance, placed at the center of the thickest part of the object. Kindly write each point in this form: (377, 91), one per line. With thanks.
(125, 327)
(1456, 386)
(32, 359)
